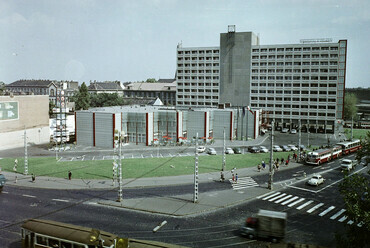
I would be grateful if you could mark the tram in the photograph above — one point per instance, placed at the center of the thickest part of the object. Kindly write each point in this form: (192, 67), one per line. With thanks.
(323, 155)
(350, 146)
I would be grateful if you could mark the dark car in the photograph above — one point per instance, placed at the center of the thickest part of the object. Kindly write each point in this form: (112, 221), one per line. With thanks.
(2, 181)
(254, 149)
(237, 150)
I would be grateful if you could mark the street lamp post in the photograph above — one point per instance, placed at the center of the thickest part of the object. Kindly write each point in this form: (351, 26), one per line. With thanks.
(195, 197)
(271, 170)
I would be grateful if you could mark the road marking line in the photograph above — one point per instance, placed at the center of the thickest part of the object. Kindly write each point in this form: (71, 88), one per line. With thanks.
(5, 192)
(309, 190)
(268, 193)
(303, 205)
(315, 207)
(237, 188)
(326, 211)
(60, 200)
(337, 214)
(290, 200)
(267, 197)
(31, 196)
(277, 197)
(342, 219)
(283, 199)
(296, 202)
(350, 222)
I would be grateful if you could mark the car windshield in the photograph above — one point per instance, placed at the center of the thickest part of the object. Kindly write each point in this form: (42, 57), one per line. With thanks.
(346, 162)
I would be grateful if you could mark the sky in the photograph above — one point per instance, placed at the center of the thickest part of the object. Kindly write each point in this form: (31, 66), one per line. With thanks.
(102, 40)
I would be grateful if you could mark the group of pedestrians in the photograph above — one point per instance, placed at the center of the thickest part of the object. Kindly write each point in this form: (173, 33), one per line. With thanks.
(277, 163)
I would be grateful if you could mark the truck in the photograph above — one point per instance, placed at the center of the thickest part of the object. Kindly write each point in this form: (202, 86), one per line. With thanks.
(268, 224)
(347, 164)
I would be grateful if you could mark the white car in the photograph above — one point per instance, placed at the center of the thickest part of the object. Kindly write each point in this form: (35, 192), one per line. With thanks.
(211, 151)
(277, 148)
(263, 149)
(285, 130)
(201, 149)
(293, 131)
(293, 147)
(229, 151)
(316, 180)
(348, 164)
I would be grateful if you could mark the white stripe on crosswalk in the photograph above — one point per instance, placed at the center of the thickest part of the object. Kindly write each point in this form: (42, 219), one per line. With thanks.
(277, 197)
(342, 219)
(304, 204)
(283, 199)
(327, 211)
(268, 193)
(268, 197)
(296, 202)
(337, 214)
(314, 208)
(290, 200)
(243, 183)
(350, 222)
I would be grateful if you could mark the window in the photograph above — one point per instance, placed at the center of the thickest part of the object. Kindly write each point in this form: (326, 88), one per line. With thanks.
(41, 240)
(255, 50)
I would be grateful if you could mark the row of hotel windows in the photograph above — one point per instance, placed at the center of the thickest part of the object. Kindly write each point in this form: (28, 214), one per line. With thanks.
(305, 56)
(286, 113)
(199, 97)
(294, 78)
(295, 63)
(199, 65)
(295, 106)
(295, 99)
(198, 58)
(198, 103)
(199, 78)
(298, 85)
(312, 92)
(198, 90)
(198, 52)
(198, 71)
(198, 84)
(290, 49)
(290, 70)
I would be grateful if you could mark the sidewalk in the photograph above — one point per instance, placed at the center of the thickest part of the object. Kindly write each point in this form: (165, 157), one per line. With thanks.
(180, 205)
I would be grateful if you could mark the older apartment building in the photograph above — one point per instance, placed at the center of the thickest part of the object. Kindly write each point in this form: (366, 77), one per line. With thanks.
(290, 83)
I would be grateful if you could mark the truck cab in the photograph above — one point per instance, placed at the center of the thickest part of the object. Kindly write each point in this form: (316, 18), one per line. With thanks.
(347, 164)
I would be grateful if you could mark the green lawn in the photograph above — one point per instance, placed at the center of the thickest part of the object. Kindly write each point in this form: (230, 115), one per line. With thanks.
(357, 133)
(136, 168)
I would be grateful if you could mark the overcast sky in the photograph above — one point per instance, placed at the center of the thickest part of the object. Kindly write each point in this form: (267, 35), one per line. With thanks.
(134, 40)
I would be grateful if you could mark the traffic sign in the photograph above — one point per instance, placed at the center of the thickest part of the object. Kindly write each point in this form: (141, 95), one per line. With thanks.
(9, 111)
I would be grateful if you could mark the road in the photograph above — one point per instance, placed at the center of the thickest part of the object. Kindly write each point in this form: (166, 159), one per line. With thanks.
(213, 229)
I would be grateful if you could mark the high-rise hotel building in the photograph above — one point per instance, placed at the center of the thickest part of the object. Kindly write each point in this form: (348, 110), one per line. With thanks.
(293, 82)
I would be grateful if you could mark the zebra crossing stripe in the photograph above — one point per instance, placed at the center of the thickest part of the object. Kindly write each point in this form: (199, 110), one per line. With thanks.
(303, 205)
(296, 202)
(283, 199)
(268, 193)
(327, 211)
(277, 197)
(290, 200)
(350, 222)
(342, 219)
(337, 214)
(268, 197)
(315, 207)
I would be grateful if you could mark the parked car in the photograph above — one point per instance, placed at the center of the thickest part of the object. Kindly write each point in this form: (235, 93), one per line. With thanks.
(228, 150)
(365, 161)
(285, 130)
(278, 128)
(254, 149)
(211, 151)
(277, 148)
(348, 164)
(286, 148)
(316, 180)
(293, 131)
(237, 150)
(293, 147)
(303, 148)
(2, 181)
(201, 149)
(263, 149)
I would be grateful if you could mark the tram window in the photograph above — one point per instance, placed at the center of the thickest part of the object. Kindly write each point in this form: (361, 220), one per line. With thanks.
(65, 244)
(54, 243)
(41, 240)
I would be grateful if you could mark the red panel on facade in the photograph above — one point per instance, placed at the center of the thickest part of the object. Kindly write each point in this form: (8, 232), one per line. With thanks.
(114, 126)
(147, 129)
(231, 125)
(93, 129)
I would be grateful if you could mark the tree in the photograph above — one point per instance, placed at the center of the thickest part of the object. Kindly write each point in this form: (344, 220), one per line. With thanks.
(350, 108)
(151, 80)
(82, 98)
(2, 87)
(365, 144)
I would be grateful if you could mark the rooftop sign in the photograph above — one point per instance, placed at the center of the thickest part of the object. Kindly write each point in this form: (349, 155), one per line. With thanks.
(319, 40)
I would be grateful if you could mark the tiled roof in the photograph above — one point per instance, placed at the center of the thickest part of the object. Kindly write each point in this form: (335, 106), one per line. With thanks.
(31, 83)
(105, 86)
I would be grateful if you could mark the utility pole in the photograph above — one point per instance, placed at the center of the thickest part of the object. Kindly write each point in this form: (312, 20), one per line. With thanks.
(271, 170)
(308, 136)
(299, 140)
(195, 197)
(117, 142)
(25, 153)
(223, 156)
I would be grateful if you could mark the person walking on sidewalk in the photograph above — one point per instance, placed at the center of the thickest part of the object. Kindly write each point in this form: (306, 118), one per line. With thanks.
(69, 175)
(236, 178)
(259, 168)
(263, 165)
(33, 177)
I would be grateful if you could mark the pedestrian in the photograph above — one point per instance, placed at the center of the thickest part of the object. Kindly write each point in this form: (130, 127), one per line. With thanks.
(287, 162)
(282, 161)
(263, 165)
(277, 166)
(236, 178)
(33, 177)
(222, 177)
(15, 165)
(69, 175)
(233, 177)
(259, 167)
